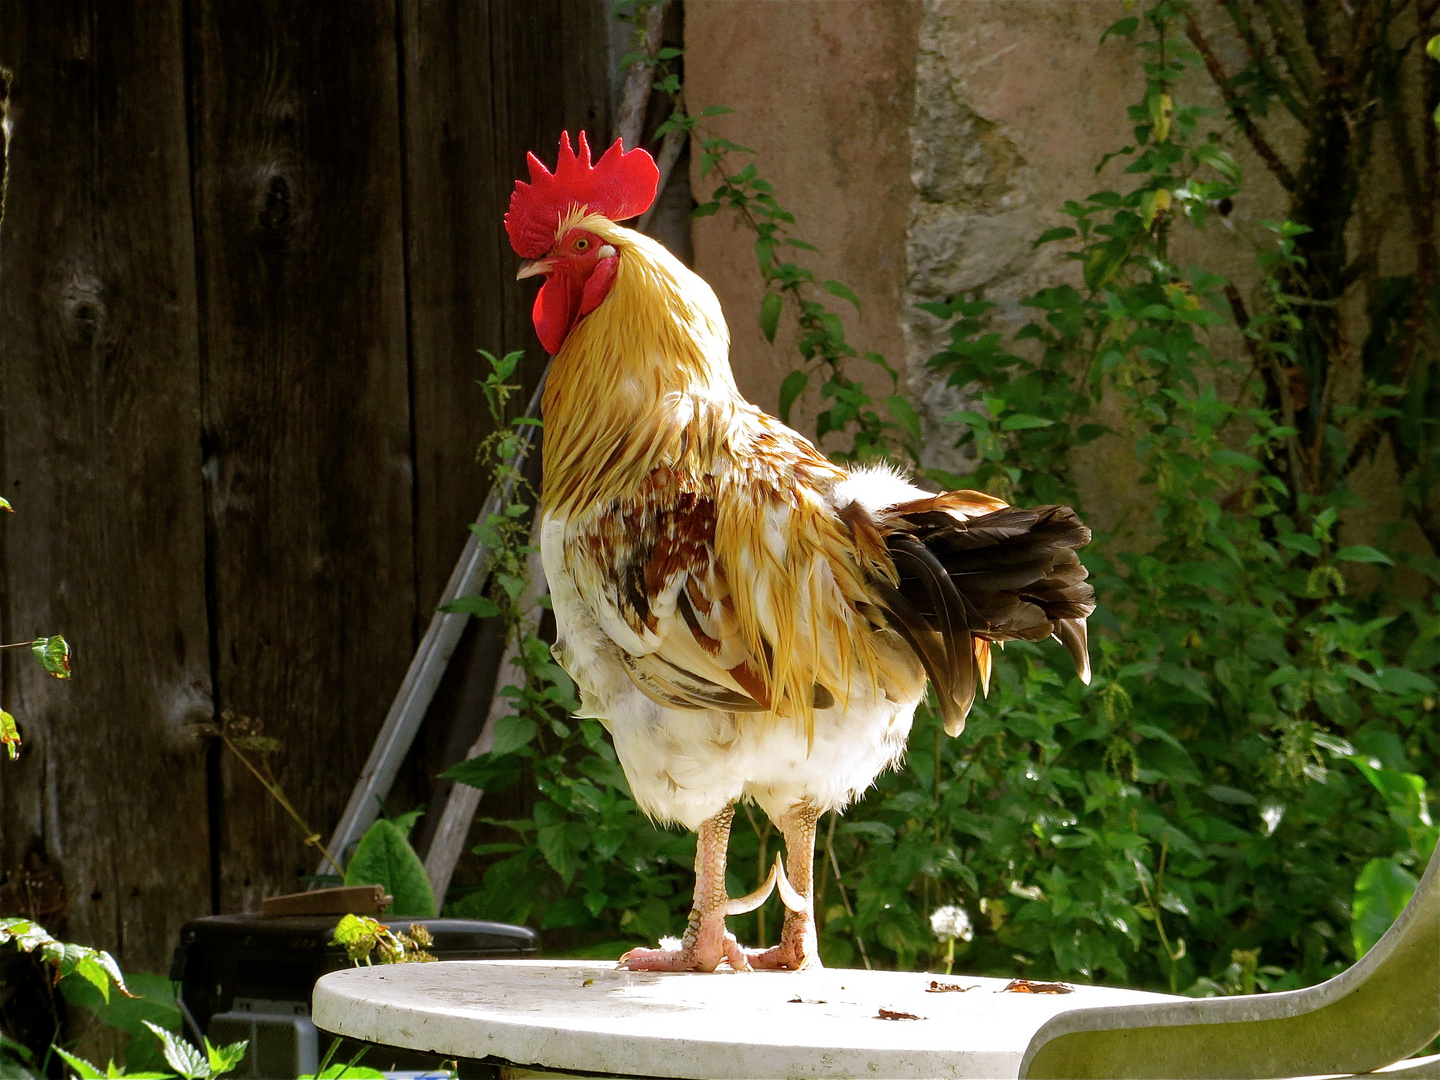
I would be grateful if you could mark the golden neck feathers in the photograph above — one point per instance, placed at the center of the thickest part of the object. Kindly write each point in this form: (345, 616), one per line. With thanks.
(642, 381)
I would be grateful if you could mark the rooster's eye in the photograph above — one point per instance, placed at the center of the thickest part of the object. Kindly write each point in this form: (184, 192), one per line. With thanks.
(581, 244)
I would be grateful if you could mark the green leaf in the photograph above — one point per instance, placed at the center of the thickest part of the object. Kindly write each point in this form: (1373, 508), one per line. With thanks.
(1382, 890)
(1364, 678)
(89, 969)
(840, 289)
(716, 110)
(1234, 796)
(511, 583)
(83, 1068)
(965, 416)
(1362, 554)
(1404, 793)
(1064, 232)
(53, 654)
(183, 1058)
(1300, 542)
(482, 607)
(557, 844)
(1399, 680)
(15, 1050)
(770, 308)
(1102, 262)
(905, 415)
(1123, 28)
(222, 1059)
(1234, 457)
(791, 389)
(406, 822)
(5, 505)
(705, 210)
(384, 857)
(9, 735)
(358, 935)
(1023, 422)
(511, 733)
(1432, 48)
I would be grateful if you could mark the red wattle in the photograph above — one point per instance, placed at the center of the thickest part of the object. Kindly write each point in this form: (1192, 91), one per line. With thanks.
(597, 285)
(555, 311)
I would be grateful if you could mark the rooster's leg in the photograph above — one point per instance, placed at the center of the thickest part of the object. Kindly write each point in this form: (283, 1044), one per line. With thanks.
(706, 941)
(798, 947)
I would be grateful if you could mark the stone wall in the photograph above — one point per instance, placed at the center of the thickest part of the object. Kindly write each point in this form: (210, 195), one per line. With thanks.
(824, 91)
(923, 145)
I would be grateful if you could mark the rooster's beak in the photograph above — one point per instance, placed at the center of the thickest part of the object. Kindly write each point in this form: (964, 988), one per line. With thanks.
(532, 269)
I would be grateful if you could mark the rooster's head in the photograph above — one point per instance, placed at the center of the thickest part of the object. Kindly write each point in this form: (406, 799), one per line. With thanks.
(545, 222)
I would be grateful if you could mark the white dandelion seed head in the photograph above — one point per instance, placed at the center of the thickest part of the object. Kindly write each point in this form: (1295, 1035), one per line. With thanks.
(951, 923)
(1272, 813)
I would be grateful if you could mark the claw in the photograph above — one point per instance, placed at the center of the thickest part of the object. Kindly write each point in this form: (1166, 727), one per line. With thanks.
(741, 904)
(791, 899)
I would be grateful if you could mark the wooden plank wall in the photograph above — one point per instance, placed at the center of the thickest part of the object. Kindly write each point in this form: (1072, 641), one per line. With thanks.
(249, 252)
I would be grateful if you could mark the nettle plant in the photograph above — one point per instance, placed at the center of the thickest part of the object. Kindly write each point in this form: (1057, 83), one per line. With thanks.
(1236, 801)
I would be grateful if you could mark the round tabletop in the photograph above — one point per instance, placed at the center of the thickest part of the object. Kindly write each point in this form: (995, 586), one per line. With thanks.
(588, 1016)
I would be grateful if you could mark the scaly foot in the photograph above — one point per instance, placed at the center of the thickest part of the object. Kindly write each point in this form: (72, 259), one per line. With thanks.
(799, 947)
(688, 956)
(706, 942)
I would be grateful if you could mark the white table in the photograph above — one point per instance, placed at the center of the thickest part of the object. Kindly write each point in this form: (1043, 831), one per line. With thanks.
(582, 1015)
(561, 1015)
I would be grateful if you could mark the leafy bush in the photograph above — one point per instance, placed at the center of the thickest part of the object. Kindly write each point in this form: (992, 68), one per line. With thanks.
(1196, 810)
(145, 1010)
(1248, 757)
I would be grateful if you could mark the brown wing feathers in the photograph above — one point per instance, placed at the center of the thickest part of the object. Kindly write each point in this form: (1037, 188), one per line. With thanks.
(965, 581)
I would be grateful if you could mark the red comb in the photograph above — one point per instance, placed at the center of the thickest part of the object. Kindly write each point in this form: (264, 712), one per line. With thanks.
(620, 185)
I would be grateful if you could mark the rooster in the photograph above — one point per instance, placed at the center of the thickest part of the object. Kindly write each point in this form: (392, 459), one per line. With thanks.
(748, 619)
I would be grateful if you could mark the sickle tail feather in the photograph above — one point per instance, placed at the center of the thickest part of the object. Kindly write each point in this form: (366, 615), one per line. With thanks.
(970, 575)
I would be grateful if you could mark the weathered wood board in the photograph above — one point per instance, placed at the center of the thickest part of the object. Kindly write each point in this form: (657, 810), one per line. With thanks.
(250, 252)
(473, 107)
(307, 415)
(100, 454)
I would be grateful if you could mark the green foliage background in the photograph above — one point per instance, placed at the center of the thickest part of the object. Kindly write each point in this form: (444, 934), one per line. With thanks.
(1257, 733)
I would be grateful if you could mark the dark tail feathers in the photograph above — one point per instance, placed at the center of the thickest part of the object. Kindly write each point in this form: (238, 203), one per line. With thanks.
(971, 574)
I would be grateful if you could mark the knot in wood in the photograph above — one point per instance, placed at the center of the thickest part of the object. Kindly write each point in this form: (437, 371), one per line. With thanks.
(83, 306)
(275, 203)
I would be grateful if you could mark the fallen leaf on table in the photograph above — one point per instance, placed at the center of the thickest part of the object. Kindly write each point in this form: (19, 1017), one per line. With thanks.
(896, 1014)
(937, 987)
(1025, 986)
